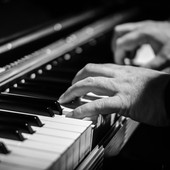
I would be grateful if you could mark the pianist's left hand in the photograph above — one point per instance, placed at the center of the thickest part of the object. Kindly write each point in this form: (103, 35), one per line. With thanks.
(133, 92)
(129, 37)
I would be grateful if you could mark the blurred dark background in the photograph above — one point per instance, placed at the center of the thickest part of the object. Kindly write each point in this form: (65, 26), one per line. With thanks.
(17, 15)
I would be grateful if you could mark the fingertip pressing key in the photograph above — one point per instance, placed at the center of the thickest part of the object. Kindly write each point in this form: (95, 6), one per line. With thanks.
(61, 99)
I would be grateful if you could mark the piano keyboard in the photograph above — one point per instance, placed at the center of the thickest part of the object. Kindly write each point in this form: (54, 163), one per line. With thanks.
(55, 144)
(57, 141)
(34, 133)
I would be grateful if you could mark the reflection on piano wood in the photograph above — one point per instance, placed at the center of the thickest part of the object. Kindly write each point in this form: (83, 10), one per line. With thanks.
(34, 134)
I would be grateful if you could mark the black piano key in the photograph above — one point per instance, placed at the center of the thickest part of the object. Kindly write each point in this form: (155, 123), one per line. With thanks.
(34, 92)
(57, 83)
(22, 126)
(30, 103)
(29, 99)
(62, 73)
(43, 88)
(31, 119)
(3, 148)
(9, 133)
(51, 79)
(40, 89)
(31, 109)
(47, 85)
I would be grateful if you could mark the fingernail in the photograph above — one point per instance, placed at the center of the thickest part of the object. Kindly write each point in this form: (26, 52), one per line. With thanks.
(60, 100)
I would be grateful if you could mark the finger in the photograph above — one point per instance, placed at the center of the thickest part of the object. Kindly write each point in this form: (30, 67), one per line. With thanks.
(158, 63)
(96, 85)
(119, 56)
(94, 70)
(127, 27)
(129, 42)
(123, 29)
(101, 106)
(90, 70)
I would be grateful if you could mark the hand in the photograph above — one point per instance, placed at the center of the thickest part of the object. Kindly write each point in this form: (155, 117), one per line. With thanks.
(133, 92)
(131, 36)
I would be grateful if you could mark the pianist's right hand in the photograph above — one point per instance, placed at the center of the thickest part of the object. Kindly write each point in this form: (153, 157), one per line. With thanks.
(134, 92)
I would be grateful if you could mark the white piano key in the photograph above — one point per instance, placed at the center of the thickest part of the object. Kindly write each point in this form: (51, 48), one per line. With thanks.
(113, 116)
(63, 134)
(85, 100)
(85, 140)
(49, 139)
(94, 95)
(24, 161)
(66, 127)
(89, 137)
(56, 132)
(82, 146)
(74, 128)
(36, 145)
(65, 120)
(70, 158)
(34, 153)
(7, 166)
(60, 152)
(76, 155)
(59, 142)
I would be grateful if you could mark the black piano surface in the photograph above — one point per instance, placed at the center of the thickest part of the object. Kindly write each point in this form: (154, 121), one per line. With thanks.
(28, 26)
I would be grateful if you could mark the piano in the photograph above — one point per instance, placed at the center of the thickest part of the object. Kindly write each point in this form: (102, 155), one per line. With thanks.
(37, 65)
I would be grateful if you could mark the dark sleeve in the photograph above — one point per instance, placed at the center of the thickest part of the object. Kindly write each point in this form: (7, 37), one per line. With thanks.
(167, 99)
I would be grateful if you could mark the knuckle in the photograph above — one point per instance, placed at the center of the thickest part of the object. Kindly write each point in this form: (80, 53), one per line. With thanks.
(90, 80)
(89, 67)
(99, 106)
(74, 87)
(125, 104)
(78, 112)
